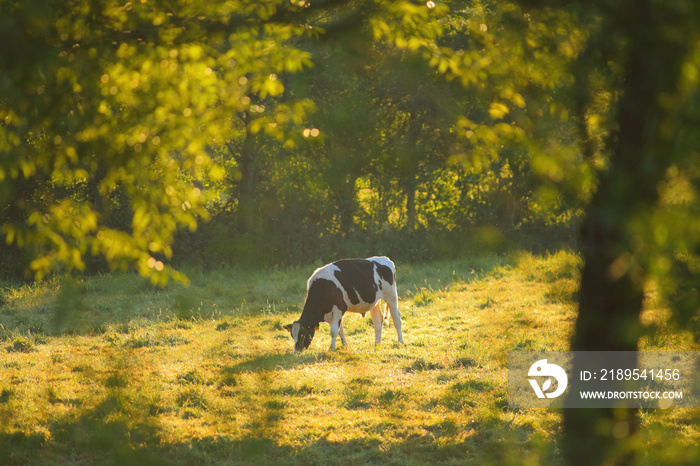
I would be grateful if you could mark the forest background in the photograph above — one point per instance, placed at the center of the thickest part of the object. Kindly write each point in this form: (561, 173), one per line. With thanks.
(289, 133)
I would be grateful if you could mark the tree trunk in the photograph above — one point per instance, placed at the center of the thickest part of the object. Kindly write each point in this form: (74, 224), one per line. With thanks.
(345, 200)
(247, 185)
(245, 160)
(613, 278)
(411, 205)
(409, 165)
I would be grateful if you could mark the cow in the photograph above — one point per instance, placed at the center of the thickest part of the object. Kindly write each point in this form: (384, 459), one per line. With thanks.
(347, 285)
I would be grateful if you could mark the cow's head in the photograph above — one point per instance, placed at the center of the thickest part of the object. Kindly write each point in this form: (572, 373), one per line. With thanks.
(302, 335)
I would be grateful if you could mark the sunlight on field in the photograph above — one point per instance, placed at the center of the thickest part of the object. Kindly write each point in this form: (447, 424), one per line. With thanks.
(114, 371)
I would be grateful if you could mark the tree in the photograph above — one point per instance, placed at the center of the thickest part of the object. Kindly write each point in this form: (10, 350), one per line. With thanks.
(625, 183)
(616, 267)
(108, 99)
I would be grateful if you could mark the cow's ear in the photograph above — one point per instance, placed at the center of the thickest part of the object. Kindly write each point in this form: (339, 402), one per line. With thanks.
(289, 327)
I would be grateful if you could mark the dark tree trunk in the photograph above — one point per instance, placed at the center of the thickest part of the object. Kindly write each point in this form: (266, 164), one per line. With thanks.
(410, 164)
(247, 185)
(613, 277)
(345, 201)
(245, 161)
(411, 205)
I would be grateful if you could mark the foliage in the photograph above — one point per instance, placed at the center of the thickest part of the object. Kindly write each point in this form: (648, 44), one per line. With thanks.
(103, 101)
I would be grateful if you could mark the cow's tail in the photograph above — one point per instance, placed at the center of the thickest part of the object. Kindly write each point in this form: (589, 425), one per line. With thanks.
(386, 311)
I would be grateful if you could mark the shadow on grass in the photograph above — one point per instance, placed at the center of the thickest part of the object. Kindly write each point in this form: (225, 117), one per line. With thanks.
(122, 429)
(93, 439)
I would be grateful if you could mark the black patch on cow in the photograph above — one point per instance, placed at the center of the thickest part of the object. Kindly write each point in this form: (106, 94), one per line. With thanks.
(356, 276)
(385, 273)
(320, 298)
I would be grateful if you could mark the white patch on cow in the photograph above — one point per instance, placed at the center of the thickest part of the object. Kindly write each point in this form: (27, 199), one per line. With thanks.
(385, 261)
(327, 272)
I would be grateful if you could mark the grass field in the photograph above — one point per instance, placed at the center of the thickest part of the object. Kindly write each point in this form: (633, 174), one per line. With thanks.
(109, 370)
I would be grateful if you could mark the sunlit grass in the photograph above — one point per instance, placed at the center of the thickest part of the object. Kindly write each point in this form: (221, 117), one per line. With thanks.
(132, 374)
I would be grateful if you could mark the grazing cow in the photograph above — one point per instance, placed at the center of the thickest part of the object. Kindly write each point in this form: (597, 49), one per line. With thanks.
(347, 285)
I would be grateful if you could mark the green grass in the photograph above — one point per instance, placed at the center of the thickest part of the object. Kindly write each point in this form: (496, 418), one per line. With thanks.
(109, 370)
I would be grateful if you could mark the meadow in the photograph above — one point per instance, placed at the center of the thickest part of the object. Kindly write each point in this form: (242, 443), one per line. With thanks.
(110, 370)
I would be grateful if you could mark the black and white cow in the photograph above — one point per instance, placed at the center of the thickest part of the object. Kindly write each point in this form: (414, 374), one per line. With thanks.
(347, 285)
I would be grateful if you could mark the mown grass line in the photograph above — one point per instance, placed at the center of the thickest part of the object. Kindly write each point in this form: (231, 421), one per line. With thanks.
(130, 374)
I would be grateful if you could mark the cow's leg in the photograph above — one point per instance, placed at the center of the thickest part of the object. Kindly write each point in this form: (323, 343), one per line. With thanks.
(393, 303)
(378, 321)
(341, 332)
(336, 316)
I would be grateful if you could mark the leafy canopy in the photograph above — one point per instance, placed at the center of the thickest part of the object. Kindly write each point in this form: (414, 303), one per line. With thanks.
(101, 101)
